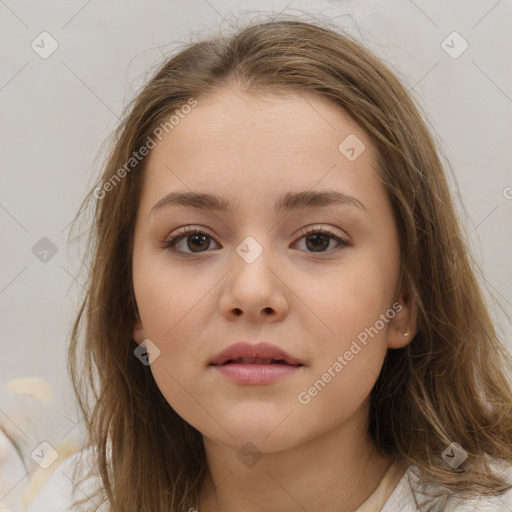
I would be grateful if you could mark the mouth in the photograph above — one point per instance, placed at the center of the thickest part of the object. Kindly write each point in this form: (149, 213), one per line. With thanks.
(246, 353)
(256, 360)
(256, 371)
(247, 364)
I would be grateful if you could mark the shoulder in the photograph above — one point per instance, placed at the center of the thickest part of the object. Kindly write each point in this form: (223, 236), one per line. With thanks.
(498, 503)
(402, 498)
(62, 487)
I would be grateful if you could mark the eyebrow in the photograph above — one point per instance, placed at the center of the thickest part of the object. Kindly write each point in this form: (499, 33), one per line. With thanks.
(287, 202)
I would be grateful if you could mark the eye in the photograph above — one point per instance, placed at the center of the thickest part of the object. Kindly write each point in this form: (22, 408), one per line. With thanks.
(193, 239)
(317, 239)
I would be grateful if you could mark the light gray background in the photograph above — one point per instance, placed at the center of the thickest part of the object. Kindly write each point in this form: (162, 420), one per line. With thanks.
(56, 112)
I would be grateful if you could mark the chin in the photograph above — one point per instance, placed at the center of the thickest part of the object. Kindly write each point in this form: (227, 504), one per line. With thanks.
(265, 437)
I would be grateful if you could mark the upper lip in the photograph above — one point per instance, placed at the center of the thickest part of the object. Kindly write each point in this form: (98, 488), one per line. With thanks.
(251, 353)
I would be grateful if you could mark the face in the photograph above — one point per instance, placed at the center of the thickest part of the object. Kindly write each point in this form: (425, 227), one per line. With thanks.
(316, 279)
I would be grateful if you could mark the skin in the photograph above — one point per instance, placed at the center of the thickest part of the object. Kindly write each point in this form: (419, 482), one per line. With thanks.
(314, 456)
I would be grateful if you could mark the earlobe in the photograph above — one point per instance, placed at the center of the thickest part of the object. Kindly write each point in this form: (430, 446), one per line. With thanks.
(403, 327)
(138, 332)
(399, 339)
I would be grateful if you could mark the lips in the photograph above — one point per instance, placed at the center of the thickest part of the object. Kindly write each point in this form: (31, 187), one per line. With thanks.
(262, 353)
(255, 360)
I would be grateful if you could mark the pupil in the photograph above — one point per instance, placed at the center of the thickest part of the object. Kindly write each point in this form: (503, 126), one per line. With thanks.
(196, 238)
(317, 241)
(313, 242)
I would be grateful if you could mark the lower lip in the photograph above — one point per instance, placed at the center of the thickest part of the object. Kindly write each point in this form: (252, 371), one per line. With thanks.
(256, 373)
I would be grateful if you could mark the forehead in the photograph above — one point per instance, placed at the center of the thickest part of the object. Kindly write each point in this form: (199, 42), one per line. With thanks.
(250, 148)
(229, 119)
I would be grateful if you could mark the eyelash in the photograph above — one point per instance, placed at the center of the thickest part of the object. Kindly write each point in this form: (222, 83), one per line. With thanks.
(170, 243)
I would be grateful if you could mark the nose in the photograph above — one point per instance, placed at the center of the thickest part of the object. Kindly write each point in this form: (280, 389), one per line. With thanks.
(255, 288)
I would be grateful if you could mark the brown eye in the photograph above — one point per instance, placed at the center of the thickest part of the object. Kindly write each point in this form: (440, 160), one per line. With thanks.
(195, 241)
(191, 241)
(199, 242)
(318, 240)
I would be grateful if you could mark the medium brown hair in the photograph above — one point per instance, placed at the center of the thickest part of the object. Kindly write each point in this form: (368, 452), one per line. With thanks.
(448, 384)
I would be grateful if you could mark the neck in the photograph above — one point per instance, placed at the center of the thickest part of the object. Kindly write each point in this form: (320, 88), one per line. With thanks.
(338, 470)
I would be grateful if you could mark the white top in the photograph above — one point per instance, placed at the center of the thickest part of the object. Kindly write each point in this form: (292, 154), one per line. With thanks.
(55, 496)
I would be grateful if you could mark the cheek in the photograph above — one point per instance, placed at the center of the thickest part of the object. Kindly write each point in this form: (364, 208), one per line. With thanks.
(349, 358)
(171, 322)
(347, 302)
(174, 306)
(352, 313)
(165, 313)
(168, 298)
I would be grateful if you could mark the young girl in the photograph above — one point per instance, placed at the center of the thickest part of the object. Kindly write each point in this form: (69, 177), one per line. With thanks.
(232, 362)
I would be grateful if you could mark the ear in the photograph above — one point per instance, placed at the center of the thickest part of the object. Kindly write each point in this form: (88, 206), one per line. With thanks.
(138, 332)
(403, 327)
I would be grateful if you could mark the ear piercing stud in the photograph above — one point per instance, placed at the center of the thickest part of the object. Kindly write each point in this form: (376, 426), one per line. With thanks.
(406, 333)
